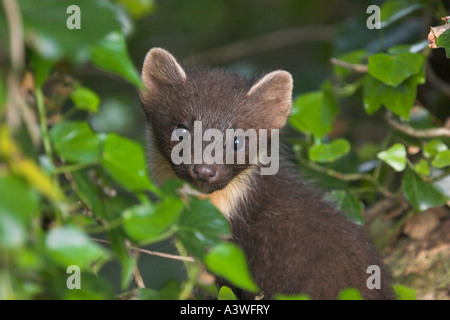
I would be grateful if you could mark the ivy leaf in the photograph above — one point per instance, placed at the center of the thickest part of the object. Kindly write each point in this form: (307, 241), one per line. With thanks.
(350, 294)
(421, 194)
(69, 245)
(228, 261)
(201, 226)
(434, 147)
(85, 99)
(404, 293)
(147, 222)
(422, 167)
(399, 100)
(444, 41)
(349, 204)
(91, 195)
(111, 55)
(225, 293)
(394, 69)
(314, 113)
(17, 199)
(395, 156)
(76, 141)
(329, 152)
(442, 159)
(124, 161)
(50, 36)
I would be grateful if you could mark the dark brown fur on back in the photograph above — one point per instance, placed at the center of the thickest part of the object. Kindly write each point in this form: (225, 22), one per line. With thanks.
(298, 243)
(294, 241)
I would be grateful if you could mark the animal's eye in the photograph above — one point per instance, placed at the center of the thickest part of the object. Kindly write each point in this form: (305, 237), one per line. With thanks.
(239, 143)
(181, 131)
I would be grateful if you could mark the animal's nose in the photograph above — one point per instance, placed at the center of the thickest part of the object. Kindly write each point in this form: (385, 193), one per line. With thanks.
(204, 173)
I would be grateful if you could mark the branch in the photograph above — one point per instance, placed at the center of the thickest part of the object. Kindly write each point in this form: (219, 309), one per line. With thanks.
(137, 277)
(359, 68)
(410, 131)
(153, 253)
(348, 176)
(274, 40)
(16, 37)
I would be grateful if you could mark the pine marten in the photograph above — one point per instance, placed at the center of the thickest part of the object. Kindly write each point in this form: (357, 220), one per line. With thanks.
(295, 242)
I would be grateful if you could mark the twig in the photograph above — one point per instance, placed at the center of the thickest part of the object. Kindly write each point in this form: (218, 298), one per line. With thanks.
(348, 176)
(410, 131)
(192, 271)
(16, 38)
(274, 40)
(16, 103)
(43, 123)
(153, 253)
(137, 277)
(359, 68)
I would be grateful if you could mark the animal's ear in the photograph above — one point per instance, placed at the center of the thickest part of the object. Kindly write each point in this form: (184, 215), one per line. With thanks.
(273, 93)
(160, 67)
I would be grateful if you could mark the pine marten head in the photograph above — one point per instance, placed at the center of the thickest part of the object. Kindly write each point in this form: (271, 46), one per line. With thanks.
(181, 100)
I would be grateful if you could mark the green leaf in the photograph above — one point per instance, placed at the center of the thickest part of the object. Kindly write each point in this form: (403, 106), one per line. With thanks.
(394, 69)
(85, 99)
(329, 152)
(225, 293)
(228, 261)
(41, 68)
(422, 167)
(434, 147)
(201, 226)
(69, 245)
(169, 291)
(395, 156)
(404, 293)
(46, 27)
(350, 294)
(76, 141)
(392, 11)
(147, 222)
(399, 100)
(421, 194)
(90, 194)
(349, 204)
(314, 113)
(17, 199)
(93, 197)
(93, 287)
(124, 161)
(442, 159)
(111, 55)
(444, 41)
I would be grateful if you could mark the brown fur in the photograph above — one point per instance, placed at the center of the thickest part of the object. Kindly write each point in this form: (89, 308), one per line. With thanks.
(294, 241)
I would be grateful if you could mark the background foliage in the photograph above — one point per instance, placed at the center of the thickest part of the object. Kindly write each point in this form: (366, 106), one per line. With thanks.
(370, 126)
